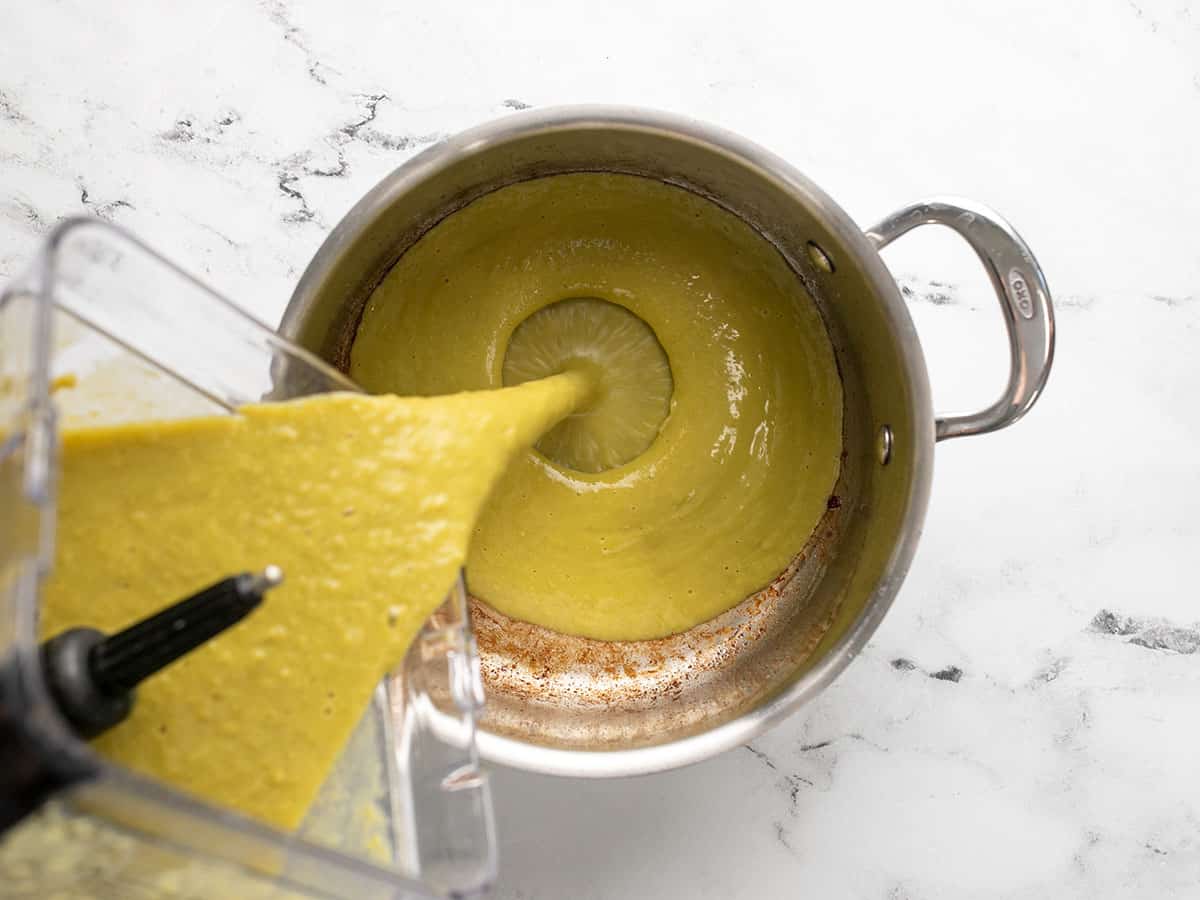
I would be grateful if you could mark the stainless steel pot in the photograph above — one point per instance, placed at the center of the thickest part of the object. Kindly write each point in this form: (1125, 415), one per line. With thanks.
(572, 706)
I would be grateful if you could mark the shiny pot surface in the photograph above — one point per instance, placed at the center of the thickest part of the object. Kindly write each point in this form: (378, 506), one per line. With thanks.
(573, 706)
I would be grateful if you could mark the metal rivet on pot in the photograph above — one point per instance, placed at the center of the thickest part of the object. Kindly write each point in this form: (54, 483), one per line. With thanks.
(883, 445)
(820, 258)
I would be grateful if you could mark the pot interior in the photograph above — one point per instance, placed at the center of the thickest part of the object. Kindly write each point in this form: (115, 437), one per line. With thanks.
(777, 647)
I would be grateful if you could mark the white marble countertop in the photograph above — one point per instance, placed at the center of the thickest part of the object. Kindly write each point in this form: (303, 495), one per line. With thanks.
(1026, 723)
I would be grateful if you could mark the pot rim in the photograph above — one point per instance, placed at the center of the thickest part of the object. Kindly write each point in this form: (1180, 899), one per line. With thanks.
(694, 748)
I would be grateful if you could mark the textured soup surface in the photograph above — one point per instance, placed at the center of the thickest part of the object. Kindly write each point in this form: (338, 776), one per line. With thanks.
(741, 469)
(367, 503)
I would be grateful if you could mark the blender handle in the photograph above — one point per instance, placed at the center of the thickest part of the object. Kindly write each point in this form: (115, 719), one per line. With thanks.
(1021, 289)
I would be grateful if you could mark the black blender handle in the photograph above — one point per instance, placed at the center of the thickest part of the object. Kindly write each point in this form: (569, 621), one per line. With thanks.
(91, 678)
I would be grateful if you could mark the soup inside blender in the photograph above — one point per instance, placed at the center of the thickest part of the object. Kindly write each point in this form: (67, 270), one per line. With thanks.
(126, 342)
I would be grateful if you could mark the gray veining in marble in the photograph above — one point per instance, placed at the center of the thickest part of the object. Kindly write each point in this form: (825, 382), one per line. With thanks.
(1025, 724)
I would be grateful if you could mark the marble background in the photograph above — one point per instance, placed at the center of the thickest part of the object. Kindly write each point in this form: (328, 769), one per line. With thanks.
(1026, 723)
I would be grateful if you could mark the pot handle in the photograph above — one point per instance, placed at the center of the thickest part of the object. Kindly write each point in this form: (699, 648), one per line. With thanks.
(1024, 299)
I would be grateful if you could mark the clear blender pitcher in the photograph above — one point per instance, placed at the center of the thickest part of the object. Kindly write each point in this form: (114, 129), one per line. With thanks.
(406, 811)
